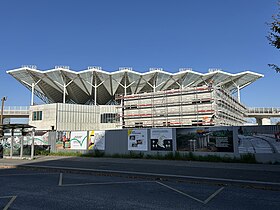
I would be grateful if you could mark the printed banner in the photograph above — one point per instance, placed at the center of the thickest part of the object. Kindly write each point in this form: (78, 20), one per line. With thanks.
(96, 140)
(63, 140)
(161, 139)
(259, 139)
(78, 139)
(205, 139)
(137, 139)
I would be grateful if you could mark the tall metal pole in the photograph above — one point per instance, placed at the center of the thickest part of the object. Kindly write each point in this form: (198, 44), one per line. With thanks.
(32, 145)
(12, 143)
(21, 146)
(2, 109)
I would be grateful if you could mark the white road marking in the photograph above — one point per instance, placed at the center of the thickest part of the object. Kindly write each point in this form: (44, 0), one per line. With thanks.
(10, 202)
(213, 195)
(178, 191)
(26, 174)
(196, 199)
(106, 183)
(60, 179)
(157, 174)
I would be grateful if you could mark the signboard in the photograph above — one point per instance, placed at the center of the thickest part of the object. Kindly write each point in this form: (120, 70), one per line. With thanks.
(161, 139)
(205, 139)
(96, 140)
(78, 140)
(137, 139)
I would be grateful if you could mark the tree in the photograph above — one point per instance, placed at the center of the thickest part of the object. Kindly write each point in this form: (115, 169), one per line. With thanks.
(274, 35)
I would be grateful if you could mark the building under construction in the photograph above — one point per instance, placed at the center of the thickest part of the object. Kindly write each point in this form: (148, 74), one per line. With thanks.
(84, 100)
(193, 106)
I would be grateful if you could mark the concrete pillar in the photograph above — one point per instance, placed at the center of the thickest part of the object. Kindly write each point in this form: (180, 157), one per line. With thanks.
(266, 121)
(263, 121)
(259, 121)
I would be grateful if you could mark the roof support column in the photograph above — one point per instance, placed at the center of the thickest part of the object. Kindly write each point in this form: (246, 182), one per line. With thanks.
(237, 90)
(238, 93)
(64, 89)
(154, 86)
(32, 85)
(64, 93)
(95, 86)
(95, 89)
(32, 94)
(125, 86)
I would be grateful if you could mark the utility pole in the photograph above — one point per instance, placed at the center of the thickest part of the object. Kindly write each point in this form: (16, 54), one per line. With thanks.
(2, 110)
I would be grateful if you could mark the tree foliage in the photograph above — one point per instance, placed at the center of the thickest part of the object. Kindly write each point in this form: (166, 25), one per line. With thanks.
(274, 35)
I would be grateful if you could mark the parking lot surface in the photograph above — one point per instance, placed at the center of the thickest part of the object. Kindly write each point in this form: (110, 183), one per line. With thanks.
(28, 189)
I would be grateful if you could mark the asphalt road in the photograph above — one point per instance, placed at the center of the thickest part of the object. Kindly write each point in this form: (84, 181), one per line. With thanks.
(220, 171)
(25, 189)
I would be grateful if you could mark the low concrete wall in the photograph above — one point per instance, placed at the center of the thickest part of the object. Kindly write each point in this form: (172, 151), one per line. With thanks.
(268, 158)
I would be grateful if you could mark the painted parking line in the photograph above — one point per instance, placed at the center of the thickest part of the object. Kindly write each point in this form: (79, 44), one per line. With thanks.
(156, 175)
(33, 174)
(10, 201)
(60, 182)
(190, 196)
(106, 183)
(60, 179)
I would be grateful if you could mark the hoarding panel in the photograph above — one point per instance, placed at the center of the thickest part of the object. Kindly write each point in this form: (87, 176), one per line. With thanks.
(161, 139)
(78, 139)
(137, 140)
(96, 140)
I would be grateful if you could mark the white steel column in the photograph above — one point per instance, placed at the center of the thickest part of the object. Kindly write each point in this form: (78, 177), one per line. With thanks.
(32, 85)
(64, 89)
(154, 86)
(126, 86)
(32, 94)
(95, 89)
(238, 93)
(64, 93)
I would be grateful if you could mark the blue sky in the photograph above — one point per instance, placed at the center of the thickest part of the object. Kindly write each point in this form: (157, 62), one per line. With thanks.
(170, 34)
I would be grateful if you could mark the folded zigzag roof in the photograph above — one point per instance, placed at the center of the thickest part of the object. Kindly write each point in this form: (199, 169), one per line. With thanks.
(84, 87)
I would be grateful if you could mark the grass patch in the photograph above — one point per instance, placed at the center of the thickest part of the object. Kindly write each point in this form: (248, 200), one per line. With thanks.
(245, 158)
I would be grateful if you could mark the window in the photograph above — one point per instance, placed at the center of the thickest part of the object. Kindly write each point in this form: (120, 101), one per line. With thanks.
(37, 115)
(109, 118)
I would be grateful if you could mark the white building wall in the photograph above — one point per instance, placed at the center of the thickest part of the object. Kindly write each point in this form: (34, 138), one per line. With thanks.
(72, 117)
(48, 116)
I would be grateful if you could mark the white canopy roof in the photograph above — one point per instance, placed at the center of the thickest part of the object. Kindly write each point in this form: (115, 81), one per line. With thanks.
(80, 86)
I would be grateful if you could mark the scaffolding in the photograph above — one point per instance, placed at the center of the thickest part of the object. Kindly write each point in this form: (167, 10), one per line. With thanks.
(191, 106)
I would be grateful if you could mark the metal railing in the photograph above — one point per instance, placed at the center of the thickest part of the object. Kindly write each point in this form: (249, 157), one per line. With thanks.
(260, 110)
(16, 110)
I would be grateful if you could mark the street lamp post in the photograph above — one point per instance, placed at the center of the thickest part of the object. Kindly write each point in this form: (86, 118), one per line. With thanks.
(1, 119)
(2, 108)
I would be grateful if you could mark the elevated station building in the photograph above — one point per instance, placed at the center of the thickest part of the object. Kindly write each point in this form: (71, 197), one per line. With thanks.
(97, 99)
